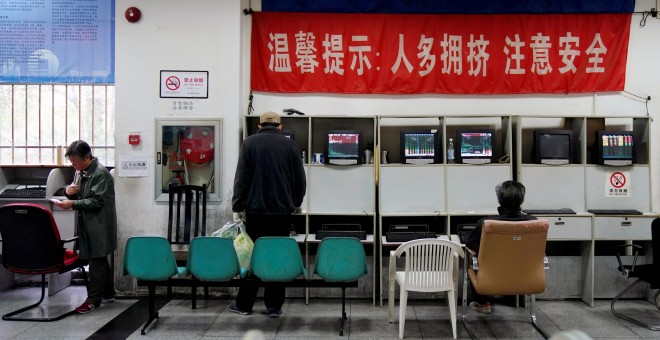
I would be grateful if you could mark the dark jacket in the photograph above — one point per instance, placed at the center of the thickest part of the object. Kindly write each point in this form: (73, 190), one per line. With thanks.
(97, 218)
(270, 177)
(504, 215)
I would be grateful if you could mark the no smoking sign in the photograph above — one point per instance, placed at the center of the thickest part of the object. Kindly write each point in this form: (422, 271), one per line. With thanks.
(184, 84)
(172, 83)
(618, 179)
(617, 184)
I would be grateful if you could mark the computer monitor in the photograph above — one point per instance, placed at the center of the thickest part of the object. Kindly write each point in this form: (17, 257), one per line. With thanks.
(342, 147)
(474, 146)
(289, 134)
(419, 146)
(553, 147)
(616, 148)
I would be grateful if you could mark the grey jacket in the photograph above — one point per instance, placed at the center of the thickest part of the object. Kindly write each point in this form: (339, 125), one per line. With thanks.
(97, 218)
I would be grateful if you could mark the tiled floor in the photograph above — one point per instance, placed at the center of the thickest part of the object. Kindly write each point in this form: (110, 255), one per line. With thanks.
(425, 319)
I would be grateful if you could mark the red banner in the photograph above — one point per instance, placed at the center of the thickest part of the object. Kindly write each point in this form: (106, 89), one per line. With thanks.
(453, 54)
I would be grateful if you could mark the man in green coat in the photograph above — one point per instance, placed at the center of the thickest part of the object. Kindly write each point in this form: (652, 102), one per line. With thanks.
(92, 195)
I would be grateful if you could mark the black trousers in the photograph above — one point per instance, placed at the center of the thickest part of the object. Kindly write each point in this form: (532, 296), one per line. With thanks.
(101, 280)
(480, 299)
(259, 225)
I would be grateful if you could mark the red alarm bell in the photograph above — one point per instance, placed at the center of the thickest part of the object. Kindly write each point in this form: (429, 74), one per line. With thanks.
(133, 14)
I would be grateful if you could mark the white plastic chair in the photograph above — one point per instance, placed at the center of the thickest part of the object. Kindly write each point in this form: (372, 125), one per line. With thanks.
(431, 265)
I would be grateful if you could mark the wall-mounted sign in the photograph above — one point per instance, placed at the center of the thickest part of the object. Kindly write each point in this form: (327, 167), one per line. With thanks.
(134, 166)
(184, 84)
(617, 184)
(435, 53)
(48, 42)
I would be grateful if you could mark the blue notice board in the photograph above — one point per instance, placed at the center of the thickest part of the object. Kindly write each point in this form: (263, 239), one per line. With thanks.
(57, 41)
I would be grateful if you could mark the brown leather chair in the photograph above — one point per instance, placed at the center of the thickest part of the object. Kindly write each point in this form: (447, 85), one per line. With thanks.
(510, 262)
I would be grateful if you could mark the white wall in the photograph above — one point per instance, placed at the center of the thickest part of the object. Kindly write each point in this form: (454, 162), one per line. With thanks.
(199, 35)
(213, 35)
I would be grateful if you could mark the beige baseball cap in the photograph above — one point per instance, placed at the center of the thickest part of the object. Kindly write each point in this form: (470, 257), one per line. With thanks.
(270, 117)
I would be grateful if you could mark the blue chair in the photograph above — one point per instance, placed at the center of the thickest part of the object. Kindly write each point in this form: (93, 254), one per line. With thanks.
(150, 259)
(212, 259)
(341, 259)
(276, 259)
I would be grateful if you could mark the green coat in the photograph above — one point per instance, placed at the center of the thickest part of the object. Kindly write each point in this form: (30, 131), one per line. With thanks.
(97, 218)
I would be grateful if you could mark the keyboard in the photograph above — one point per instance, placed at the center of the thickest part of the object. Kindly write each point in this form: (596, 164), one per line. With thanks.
(615, 212)
(24, 193)
(405, 236)
(359, 234)
(562, 211)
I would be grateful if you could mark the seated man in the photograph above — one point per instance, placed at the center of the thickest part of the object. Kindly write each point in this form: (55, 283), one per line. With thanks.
(510, 196)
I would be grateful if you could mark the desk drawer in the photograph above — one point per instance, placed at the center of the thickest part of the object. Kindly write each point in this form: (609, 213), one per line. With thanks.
(569, 228)
(623, 227)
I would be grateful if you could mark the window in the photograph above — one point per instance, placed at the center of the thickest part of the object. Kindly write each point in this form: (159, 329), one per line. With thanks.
(36, 119)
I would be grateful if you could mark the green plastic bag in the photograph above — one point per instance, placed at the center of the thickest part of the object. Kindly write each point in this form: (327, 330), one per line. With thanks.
(243, 244)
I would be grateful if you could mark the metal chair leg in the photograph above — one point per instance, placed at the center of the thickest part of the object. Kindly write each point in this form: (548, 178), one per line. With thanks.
(625, 317)
(153, 314)
(343, 311)
(532, 309)
(193, 293)
(8, 316)
(532, 313)
(464, 307)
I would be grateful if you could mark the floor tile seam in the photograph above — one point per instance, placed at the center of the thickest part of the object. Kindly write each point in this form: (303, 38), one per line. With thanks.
(419, 327)
(281, 318)
(347, 322)
(25, 330)
(538, 308)
(220, 311)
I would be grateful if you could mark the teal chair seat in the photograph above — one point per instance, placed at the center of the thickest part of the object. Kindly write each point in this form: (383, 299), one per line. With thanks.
(213, 259)
(276, 259)
(150, 258)
(341, 259)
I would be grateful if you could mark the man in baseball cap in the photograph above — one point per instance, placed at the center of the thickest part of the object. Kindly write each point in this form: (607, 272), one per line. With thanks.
(270, 117)
(269, 187)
